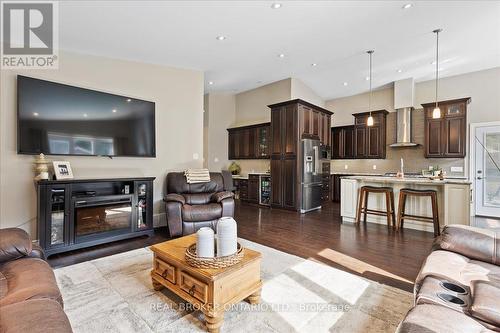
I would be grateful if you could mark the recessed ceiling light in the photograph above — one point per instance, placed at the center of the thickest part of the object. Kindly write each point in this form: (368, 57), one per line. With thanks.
(129, 100)
(281, 55)
(210, 82)
(114, 110)
(220, 37)
(400, 70)
(276, 5)
(314, 64)
(345, 83)
(367, 78)
(407, 5)
(35, 114)
(85, 115)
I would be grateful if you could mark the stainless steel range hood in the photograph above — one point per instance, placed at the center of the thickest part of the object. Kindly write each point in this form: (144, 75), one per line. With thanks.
(403, 103)
(403, 129)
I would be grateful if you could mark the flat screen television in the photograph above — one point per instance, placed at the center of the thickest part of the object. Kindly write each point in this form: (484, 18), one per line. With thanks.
(58, 119)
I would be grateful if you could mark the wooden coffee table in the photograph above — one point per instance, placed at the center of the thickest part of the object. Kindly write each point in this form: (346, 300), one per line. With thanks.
(210, 290)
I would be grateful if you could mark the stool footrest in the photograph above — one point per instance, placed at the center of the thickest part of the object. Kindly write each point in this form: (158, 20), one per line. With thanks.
(418, 217)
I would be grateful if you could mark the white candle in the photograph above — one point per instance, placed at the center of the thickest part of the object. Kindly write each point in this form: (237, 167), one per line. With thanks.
(401, 164)
(205, 243)
(227, 239)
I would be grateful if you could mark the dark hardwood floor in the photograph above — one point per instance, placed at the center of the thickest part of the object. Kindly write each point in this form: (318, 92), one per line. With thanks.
(372, 250)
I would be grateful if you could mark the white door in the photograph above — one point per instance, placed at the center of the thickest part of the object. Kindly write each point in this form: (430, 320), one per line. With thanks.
(487, 170)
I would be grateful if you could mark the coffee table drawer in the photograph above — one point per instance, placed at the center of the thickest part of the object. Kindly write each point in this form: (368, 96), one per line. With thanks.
(165, 270)
(194, 287)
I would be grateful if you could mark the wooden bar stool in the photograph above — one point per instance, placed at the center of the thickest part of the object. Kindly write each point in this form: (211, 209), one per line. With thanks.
(419, 193)
(364, 191)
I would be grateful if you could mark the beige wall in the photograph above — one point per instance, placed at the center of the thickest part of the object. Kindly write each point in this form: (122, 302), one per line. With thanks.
(344, 107)
(251, 105)
(483, 87)
(220, 114)
(178, 94)
(300, 90)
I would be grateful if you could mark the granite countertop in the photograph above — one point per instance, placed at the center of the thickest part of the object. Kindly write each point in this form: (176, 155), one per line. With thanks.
(424, 181)
(245, 176)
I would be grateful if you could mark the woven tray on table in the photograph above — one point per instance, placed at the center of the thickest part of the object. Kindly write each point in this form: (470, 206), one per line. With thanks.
(217, 262)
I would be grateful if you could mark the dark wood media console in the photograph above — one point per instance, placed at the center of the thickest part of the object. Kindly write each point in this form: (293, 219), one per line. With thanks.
(78, 213)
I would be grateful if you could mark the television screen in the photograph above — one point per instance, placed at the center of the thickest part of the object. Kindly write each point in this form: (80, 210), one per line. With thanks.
(57, 119)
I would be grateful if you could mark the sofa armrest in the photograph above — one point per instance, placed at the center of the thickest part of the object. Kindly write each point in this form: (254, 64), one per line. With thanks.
(474, 243)
(15, 243)
(174, 217)
(37, 252)
(219, 196)
(174, 197)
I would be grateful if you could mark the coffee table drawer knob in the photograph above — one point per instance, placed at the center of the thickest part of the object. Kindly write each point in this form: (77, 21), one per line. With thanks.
(165, 270)
(194, 287)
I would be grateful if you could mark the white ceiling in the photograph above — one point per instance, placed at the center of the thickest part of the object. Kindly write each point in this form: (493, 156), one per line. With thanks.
(333, 34)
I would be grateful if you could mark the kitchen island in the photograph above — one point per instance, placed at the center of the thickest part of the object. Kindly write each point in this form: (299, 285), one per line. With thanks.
(454, 199)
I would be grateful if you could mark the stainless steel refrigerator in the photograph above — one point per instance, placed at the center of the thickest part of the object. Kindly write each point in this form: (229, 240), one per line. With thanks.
(311, 175)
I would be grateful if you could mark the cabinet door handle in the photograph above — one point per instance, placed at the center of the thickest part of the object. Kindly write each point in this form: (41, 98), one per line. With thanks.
(191, 290)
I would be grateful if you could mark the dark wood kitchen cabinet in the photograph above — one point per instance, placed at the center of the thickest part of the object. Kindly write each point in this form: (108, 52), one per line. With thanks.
(249, 142)
(342, 142)
(446, 136)
(291, 122)
(253, 188)
(360, 141)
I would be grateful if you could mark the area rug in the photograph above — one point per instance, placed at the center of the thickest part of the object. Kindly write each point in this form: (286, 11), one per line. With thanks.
(114, 294)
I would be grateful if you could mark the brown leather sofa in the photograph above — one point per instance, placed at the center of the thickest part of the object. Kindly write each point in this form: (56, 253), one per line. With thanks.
(30, 300)
(192, 206)
(458, 287)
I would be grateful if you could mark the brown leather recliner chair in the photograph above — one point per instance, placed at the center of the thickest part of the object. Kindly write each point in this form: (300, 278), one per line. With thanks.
(190, 207)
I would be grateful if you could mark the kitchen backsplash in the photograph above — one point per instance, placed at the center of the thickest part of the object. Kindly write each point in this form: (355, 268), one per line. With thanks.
(414, 160)
(249, 166)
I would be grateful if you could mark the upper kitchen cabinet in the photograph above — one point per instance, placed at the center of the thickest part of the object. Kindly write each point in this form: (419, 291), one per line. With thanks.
(360, 141)
(249, 142)
(446, 136)
(292, 121)
(342, 142)
(315, 123)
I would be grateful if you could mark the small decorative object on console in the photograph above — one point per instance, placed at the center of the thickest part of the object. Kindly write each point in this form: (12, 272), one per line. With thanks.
(205, 243)
(227, 238)
(62, 170)
(41, 167)
(234, 168)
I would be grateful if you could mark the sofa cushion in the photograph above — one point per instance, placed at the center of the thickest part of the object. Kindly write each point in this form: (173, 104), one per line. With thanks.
(219, 196)
(198, 198)
(29, 278)
(429, 318)
(34, 316)
(197, 213)
(455, 267)
(14, 243)
(486, 301)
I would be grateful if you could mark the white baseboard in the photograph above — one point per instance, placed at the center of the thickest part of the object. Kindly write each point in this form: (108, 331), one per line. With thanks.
(160, 220)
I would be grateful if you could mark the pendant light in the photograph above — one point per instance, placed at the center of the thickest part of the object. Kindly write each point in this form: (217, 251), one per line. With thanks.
(369, 121)
(436, 113)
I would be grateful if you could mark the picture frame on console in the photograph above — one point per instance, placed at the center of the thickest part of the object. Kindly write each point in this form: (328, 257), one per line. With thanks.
(62, 170)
